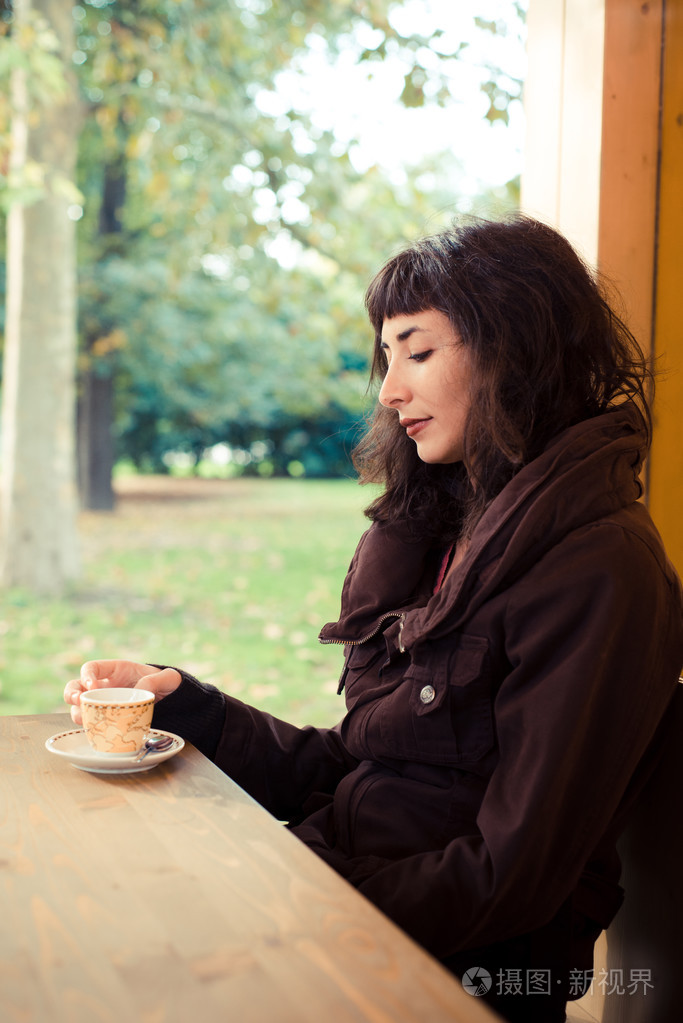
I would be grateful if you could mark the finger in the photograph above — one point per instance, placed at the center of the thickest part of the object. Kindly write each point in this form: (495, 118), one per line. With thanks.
(76, 716)
(73, 690)
(94, 674)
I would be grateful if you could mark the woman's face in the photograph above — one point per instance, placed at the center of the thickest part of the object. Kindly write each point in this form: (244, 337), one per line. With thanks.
(428, 383)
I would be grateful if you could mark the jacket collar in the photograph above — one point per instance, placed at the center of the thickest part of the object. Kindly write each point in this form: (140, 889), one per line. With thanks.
(587, 472)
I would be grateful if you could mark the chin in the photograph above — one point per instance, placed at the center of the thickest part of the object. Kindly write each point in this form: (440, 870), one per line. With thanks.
(435, 459)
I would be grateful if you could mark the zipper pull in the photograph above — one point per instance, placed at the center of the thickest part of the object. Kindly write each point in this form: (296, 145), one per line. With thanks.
(342, 677)
(401, 647)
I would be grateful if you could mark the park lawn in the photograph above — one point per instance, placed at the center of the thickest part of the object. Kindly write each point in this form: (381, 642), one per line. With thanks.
(230, 579)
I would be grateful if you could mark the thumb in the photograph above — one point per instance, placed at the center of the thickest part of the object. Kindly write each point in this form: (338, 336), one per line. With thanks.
(162, 682)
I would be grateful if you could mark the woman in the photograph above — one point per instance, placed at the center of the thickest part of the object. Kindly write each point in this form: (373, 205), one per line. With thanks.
(512, 628)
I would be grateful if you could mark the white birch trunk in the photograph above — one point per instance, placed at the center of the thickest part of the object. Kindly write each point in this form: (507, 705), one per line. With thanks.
(38, 500)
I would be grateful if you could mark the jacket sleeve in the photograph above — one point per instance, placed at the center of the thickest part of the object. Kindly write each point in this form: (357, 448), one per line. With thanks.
(590, 678)
(278, 764)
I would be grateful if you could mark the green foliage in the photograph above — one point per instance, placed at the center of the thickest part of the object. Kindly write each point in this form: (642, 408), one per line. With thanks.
(202, 361)
(226, 240)
(33, 49)
(231, 581)
(28, 57)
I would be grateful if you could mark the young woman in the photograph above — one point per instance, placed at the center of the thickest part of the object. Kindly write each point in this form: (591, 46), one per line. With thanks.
(513, 631)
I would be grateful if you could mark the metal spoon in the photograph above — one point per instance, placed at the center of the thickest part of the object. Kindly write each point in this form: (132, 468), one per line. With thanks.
(155, 744)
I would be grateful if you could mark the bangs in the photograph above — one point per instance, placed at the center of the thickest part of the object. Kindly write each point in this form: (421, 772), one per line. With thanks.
(405, 285)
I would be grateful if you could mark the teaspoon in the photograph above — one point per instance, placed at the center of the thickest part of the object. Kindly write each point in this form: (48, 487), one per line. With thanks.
(155, 744)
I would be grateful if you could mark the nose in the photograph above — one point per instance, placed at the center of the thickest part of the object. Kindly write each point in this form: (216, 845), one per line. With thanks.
(393, 391)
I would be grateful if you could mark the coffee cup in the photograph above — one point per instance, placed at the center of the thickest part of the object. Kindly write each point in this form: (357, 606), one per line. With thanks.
(117, 721)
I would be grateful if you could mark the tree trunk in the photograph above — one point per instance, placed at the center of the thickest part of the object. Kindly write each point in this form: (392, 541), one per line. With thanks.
(96, 401)
(95, 442)
(38, 547)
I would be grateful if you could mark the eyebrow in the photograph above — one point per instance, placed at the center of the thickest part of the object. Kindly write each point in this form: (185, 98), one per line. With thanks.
(405, 334)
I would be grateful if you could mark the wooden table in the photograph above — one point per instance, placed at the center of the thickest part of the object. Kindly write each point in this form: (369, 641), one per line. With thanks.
(171, 895)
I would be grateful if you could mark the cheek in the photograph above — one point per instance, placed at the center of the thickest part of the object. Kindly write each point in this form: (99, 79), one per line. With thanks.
(453, 396)
(460, 387)
(457, 403)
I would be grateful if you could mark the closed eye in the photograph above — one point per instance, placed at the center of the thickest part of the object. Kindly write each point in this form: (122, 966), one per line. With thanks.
(421, 356)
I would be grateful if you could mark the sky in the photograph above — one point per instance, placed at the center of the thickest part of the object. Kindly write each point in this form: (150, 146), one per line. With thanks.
(340, 96)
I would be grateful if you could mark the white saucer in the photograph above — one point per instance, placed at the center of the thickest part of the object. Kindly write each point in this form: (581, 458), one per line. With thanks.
(75, 748)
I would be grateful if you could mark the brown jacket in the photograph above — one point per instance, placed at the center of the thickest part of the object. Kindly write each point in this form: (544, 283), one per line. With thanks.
(496, 731)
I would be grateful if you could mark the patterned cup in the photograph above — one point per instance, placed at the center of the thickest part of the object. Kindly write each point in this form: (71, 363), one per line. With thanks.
(117, 721)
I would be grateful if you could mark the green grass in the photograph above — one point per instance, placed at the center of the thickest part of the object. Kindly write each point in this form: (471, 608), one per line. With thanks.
(231, 580)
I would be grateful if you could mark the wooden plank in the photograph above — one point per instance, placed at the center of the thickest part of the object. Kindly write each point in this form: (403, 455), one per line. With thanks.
(630, 148)
(171, 895)
(582, 125)
(665, 490)
(560, 183)
(543, 104)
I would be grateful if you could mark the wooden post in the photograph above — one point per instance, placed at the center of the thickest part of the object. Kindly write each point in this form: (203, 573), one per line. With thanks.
(630, 146)
(604, 163)
(562, 101)
(666, 461)
(604, 159)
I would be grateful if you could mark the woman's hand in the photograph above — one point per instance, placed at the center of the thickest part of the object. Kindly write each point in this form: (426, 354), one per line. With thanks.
(124, 674)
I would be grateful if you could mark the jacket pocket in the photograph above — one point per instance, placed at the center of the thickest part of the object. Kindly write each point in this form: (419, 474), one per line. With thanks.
(442, 712)
(361, 671)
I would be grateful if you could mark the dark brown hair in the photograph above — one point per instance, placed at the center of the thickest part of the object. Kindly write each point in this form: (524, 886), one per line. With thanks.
(547, 351)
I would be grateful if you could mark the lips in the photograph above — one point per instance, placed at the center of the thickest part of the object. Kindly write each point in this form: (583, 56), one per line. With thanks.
(414, 426)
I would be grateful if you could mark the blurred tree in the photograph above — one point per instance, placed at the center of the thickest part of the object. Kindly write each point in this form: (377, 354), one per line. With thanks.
(194, 169)
(224, 239)
(211, 180)
(38, 547)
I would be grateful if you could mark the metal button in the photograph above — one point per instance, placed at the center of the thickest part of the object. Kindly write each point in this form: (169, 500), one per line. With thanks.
(427, 694)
